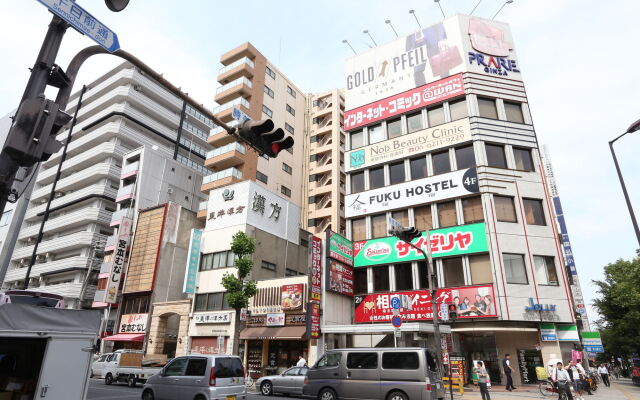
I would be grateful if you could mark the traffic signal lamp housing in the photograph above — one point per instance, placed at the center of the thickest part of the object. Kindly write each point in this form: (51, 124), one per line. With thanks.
(453, 312)
(406, 234)
(263, 137)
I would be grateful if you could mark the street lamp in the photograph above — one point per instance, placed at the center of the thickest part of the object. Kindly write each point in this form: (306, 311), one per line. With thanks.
(366, 31)
(388, 22)
(632, 128)
(345, 41)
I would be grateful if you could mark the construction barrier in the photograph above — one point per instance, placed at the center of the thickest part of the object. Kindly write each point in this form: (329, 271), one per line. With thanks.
(457, 383)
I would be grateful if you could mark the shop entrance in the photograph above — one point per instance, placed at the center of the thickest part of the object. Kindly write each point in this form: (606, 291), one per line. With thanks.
(528, 360)
(284, 354)
(482, 347)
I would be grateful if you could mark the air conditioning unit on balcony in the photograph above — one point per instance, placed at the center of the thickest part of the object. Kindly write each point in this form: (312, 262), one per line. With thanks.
(41, 258)
(58, 194)
(170, 190)
(137, 88)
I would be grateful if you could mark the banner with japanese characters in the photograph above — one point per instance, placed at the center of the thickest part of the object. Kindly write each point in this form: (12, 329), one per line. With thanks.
(193, 262)
(339, 278)
(409, 145)
(133, 323)
(413, 99)
(117, 263)
(313, 321)
(457, 240)
(408, 194)
(340, 248)
(315, 284)
(416, 304)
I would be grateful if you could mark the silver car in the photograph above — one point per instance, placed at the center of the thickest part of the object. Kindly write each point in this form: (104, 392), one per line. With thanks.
(290, 381)
(201, 377)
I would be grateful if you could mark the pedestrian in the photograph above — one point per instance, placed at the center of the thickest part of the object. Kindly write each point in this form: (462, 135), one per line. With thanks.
(604, 374)
(301, 362)
(507, 370)
(583, 378)
(574, 373)
(483, 378)
(562, 380)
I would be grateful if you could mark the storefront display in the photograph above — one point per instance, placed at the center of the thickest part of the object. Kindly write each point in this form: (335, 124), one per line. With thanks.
(254, 358)
(528, 360)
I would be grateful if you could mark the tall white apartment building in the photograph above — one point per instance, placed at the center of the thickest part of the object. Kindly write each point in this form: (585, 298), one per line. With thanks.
(121, 111)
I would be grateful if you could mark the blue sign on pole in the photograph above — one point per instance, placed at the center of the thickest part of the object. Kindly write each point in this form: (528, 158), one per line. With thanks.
(396, 321)
(239, 115)
(395, 303)
(193, 262)
(84, 22)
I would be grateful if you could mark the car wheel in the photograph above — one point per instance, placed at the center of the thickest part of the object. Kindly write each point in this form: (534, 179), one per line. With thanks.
(266, 388)
(108, 379)
(131, 381)
(327, 394)
(397, 395)
(200, 397)
(147, 395)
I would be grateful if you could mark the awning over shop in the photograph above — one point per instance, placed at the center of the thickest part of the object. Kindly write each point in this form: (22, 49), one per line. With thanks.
(283, 332)
(126, 337)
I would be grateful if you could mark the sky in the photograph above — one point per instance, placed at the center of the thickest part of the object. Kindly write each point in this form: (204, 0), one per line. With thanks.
(579, 62)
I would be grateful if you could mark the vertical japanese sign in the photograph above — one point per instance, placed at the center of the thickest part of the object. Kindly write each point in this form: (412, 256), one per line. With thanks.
(193, 262)
(316, 269)
(117, 264)
(313, 320)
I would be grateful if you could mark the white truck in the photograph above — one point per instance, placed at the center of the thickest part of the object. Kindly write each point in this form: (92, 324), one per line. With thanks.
(46, 353)
(124, 366)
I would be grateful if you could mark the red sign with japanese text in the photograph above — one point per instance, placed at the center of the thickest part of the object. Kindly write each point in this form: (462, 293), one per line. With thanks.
(471, 302)
(339, 278)
(404, 102)
(316, 269)
(313, 321)
(291, 297)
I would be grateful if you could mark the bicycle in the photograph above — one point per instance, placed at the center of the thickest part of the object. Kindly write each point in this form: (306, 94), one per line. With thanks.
(562, 388)
(547, 388)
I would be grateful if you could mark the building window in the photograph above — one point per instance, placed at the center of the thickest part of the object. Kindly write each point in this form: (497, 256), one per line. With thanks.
(357, 182)
(495, 155)
(465, 157)
(136, 304)
(513, 112)
(268, 91)
(396, 173)
(404, 276)
(211, 302)
(422, 217)
(487, 108)
(441, 163)
(379, 226)
(357, 139)
(291, 92)
(418, 167)
(394, 128)
(288, 128)
(524, 161)
(515, 269)
(270, 72)
(423, 275)
(545, 270)
(414, 122)
(435, 115)
(505, 209)
(480, 267)
(290, 110)
(453, 272)
(381, 278)
(268, 265)
(285, 191)
(533, 211)
(267, 111)
(376, 134)
(262, 177)
(402, 216)
(221, 259)
(376, 178)
(472, 210)
(358, 229)
(360, 281)
(458, 109)
(6, 217)
(290, 272)
(286, 168)
(447, 214)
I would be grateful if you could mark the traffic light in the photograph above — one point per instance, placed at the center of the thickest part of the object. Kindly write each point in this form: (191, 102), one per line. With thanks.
(405, 234)
(262, 135)
(32, 137)
(453, 312)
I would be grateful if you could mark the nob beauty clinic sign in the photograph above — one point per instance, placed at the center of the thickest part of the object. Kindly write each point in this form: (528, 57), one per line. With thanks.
(458, 44)
(416, 143)
(413, 193)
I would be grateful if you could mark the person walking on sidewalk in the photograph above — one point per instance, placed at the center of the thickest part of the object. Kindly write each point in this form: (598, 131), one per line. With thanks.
(507, 370)
(604, 374)
(583, 377)
(483, 378)
(562, 380)
(575, 376)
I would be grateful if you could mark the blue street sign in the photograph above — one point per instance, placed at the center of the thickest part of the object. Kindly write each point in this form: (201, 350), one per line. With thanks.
(396, 321)
(84, 22)
(395, 303)
(239, 115)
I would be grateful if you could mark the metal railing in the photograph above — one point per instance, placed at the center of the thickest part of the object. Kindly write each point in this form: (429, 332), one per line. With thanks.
(243, 60)
(234, 83)
(234, 146)
(225, 173)
(226, 106)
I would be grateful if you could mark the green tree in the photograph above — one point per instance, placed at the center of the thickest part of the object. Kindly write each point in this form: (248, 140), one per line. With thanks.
(619, 307)
(239, 288)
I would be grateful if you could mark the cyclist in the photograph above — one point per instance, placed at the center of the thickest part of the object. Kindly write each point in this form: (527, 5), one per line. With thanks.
(576, 377)
(562, 379)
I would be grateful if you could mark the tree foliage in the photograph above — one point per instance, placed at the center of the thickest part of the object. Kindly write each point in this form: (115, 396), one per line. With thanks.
(619, 307)
(239, 288)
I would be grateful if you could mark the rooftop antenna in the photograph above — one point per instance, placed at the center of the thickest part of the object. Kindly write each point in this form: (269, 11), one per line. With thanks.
(441, 10)
(349, 44)
(367, 32)
(504, 4)
(388, 21)
(474, 8)
(414, 16)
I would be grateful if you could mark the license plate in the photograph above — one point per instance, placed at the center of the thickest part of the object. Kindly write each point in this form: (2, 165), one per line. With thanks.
(231, 397)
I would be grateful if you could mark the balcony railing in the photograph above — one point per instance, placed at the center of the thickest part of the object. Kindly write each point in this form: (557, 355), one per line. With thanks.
(231, 104)
(225, 173)
(243, 60)
(219, 129)
(203, 205)
(234, 83)
(234, 146)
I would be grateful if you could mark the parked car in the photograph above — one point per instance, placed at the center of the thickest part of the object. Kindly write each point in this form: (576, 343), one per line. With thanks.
(290, 381)
(198, 377)
(375, 373)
